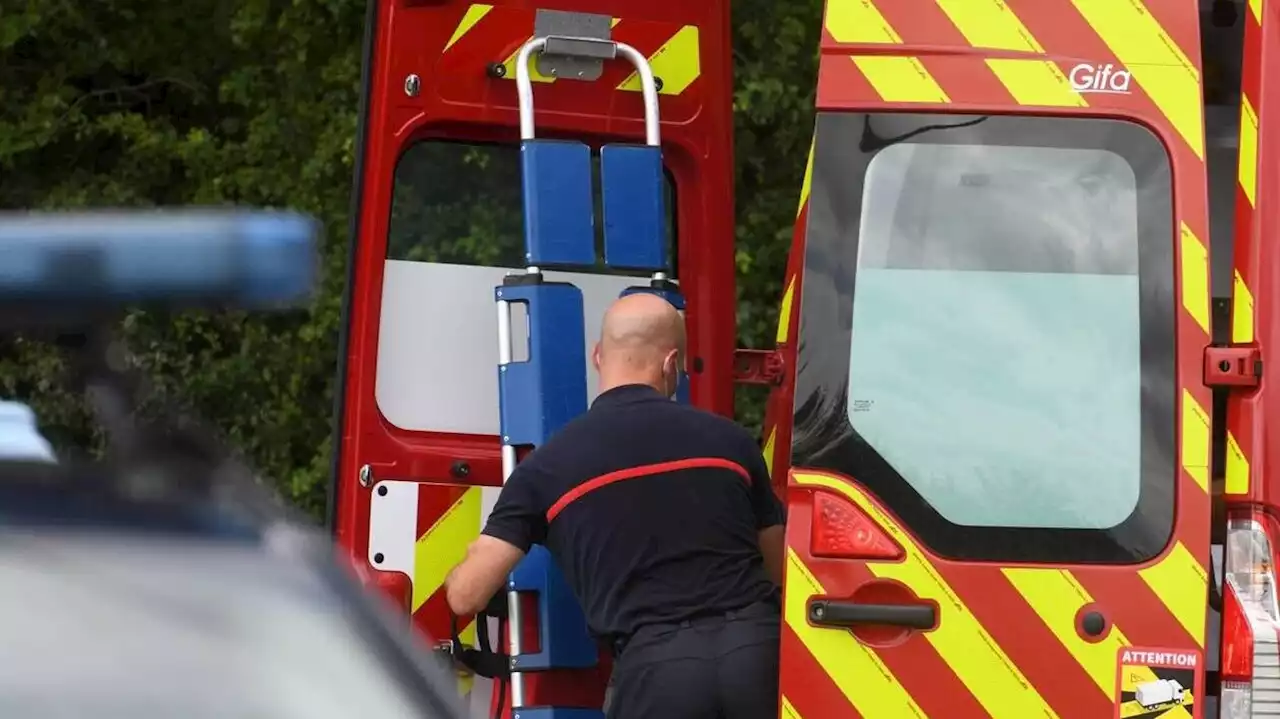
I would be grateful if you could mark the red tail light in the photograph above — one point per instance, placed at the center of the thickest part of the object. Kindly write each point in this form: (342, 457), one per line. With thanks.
(840, 530)
(1250, 665)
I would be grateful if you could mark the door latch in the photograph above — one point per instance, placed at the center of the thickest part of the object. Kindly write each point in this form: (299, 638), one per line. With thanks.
(1232, 366)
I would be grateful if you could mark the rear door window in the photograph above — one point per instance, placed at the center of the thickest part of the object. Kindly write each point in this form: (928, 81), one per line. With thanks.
(987, 334)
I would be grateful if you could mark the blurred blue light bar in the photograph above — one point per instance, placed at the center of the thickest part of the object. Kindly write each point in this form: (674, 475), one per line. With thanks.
(247, 258)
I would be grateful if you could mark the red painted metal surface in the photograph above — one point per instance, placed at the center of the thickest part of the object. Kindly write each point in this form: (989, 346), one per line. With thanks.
(1253, 417)
(936, 56)
(452, 46)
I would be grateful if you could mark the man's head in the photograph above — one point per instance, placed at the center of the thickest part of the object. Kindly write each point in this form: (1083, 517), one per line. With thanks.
(641, 342)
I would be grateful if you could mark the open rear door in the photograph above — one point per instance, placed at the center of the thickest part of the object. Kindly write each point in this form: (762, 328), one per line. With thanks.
(438, 223)
(999, 488)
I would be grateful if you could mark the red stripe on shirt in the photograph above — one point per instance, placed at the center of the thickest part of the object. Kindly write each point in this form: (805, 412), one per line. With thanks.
(646, 470)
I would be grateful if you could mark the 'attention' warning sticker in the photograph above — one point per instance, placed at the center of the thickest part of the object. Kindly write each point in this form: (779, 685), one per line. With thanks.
(1153, 682)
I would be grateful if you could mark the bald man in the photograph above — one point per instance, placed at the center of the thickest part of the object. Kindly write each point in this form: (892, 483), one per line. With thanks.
(663, 521)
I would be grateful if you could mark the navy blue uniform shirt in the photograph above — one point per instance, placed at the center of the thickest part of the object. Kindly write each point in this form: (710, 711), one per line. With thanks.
(651, 509)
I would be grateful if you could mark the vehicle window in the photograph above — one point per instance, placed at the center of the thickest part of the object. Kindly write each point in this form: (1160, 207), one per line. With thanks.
(999, 332)
(995, 361)
(456, 230)
(460, 203)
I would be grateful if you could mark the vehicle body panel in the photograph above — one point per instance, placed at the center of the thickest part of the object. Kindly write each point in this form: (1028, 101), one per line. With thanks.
(443, 72)
(1007, 643)
(1253, 314)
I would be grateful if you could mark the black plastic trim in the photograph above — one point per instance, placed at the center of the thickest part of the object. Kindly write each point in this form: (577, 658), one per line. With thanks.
(831, 613)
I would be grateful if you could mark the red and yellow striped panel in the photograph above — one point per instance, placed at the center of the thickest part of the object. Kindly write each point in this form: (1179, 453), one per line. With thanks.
(1008, 646)
(449, 518)
(1240, 414)
(486, 34)
(777, 429)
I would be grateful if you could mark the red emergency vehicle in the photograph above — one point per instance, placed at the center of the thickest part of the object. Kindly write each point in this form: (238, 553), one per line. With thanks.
(1019, 413)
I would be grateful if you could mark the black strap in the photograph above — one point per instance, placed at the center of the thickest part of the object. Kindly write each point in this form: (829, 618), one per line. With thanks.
(482, 659)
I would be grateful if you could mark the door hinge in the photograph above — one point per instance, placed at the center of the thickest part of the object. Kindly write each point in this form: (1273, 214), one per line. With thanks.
(1232, 366)
(758, 367)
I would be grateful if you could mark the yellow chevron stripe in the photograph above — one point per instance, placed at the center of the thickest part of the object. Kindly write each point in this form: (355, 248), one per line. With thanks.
(960, 639)
(676, 62)
(1248, 165)
(858, 21)
(1195, 277)
(1241, 310)
(510, 66)
(1255, 7)
(784, 312)
(768, 450)
(1180, 582)
(440, 548)
(1155, 61)
(474, 14)
(901, 79)
(992, 24)
(807, 184)
(788, 710)
(1056, 597)
(1036, 82)
(1237, 479)
(854, 668)
(1195, 441)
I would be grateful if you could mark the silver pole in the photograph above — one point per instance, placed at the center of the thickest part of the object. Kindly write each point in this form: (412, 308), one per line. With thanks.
(648, 89)
(515, 626)
(524, 86)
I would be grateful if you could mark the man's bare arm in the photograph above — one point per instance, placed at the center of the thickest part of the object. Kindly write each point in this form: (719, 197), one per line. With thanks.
(480, 575)
(773, 547)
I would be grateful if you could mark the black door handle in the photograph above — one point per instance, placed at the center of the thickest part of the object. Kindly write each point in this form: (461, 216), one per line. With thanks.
(833, 613)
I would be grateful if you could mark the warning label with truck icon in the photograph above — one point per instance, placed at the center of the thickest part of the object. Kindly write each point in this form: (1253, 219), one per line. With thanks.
(1156, 683)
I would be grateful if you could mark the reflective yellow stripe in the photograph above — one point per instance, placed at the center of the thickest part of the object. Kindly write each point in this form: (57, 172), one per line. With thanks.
(676, 62)
(961, 641)
(1237, 480)
(1036, 82)
(1248, 163)
(992, 24)
(1241, 311)
(784, 312)
(854, 668)
(807, 184)
(1154, 60)
(858, 21)
(1195, 440)
(1255, 6)
(1056, 597)
(444, 545)
(510, 66)
(474, 14)
(1195, 278)
(789, 711)
(900, 79)
(768, 450)
(1180, 582)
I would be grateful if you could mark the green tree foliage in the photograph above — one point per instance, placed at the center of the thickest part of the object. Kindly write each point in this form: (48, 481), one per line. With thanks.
(139, 102)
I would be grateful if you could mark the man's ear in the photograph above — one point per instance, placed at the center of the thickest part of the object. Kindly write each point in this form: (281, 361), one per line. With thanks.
(595, 356)
(673, 361)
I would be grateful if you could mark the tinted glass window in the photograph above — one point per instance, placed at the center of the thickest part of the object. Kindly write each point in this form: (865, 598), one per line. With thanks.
(996, 361)
(460, 203)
